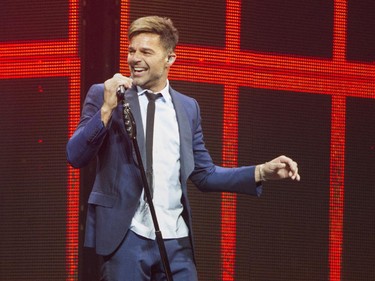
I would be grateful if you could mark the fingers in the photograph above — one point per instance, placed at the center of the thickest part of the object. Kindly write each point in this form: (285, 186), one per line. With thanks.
(293, 168)
(294, 175)
(119, 80)
(285, 167)
(111, 87)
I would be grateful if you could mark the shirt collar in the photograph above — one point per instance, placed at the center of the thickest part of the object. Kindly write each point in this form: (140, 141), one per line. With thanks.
(165, 91)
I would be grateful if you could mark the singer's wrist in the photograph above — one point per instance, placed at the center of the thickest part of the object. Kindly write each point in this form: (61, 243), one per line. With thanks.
(105, 113)
(259, 173)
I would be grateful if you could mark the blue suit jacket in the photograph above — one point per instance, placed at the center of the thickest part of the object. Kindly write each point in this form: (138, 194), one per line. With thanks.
(117, 187)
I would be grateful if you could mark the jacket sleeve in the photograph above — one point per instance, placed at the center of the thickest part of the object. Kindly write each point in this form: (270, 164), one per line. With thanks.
(86, 141)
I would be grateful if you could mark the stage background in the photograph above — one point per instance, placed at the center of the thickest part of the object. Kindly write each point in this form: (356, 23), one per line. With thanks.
(272, 77)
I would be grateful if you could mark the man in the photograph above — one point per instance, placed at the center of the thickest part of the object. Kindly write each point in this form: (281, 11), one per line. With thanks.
(118, 221)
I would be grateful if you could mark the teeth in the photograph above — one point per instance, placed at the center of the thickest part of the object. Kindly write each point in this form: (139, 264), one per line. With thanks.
(138, 69)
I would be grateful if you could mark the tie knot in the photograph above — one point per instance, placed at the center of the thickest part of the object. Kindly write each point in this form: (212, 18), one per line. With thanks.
(152, 97)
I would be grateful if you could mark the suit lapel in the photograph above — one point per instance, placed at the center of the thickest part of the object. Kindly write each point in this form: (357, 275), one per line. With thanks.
(131, 97)
(186, 146)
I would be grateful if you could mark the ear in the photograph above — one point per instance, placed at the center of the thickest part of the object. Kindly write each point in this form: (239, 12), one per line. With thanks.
(171, 59)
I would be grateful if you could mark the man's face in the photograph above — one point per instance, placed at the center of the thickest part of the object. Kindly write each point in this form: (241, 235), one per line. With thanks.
(148, 61)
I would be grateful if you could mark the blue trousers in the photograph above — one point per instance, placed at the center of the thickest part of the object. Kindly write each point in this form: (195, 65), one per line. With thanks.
(138, 259)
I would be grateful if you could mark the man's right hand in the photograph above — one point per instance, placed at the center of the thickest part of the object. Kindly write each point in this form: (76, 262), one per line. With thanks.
(110, 98)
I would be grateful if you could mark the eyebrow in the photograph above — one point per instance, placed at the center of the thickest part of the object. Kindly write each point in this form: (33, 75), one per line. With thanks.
(142, 49)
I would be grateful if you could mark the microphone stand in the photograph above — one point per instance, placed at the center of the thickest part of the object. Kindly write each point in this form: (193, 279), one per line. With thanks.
(131, 129)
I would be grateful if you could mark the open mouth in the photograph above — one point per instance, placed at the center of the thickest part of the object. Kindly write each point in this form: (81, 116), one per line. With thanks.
(138, 70)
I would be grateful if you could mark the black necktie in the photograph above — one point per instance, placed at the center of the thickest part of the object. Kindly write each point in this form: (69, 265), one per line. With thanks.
(150, 135)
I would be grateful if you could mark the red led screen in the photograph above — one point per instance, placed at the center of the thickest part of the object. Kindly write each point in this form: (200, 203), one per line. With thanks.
(40, 82)
(279, 70)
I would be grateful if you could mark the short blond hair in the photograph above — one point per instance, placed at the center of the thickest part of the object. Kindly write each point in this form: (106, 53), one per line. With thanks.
(158, 25)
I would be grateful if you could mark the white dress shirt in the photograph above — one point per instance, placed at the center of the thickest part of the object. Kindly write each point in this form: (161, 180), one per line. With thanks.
(166, 173)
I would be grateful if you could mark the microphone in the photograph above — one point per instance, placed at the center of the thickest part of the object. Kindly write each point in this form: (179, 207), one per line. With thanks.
(121, 92)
